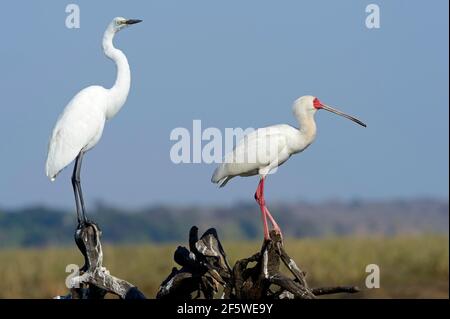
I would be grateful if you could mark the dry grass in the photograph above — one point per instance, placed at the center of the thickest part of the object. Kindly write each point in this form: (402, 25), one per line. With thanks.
(411, 266)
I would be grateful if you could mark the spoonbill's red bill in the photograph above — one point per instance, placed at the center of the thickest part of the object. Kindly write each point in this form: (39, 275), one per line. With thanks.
(263, 150)
(80, 126)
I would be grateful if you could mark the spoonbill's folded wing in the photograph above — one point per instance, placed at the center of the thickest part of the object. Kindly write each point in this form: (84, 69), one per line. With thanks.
(257, 150)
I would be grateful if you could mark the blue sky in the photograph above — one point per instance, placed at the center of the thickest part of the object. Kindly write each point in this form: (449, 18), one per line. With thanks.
(230, 64)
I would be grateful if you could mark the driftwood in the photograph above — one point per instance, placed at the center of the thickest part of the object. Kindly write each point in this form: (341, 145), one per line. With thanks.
(94, 281)
(205, 272)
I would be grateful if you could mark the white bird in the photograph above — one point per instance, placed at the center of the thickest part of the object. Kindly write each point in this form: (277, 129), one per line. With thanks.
(80, 126)
(263, 150)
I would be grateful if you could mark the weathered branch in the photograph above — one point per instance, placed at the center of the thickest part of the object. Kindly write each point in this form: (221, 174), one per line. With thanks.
(94, 280)
(204, 271)
(205, 267)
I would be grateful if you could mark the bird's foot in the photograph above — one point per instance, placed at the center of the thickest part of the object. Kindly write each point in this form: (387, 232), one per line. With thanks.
(86, 223)
(277, 232)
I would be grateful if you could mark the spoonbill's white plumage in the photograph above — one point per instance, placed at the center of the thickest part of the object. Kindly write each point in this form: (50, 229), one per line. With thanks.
(265, 149)
(80, 126)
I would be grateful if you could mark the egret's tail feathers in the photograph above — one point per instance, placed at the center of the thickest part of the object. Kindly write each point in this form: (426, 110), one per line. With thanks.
(51, 171)
(51, 175)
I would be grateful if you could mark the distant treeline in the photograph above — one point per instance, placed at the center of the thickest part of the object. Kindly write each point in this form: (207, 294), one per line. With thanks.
(43, 226)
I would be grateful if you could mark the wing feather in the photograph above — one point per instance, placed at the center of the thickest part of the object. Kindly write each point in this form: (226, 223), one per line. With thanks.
(255, 151)
(80, 124)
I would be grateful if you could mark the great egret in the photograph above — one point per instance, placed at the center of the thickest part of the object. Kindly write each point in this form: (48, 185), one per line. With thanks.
(264, 149)
(80, 126)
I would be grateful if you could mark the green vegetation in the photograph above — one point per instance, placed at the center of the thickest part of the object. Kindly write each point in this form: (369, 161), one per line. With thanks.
(42, 226)
(411, 266)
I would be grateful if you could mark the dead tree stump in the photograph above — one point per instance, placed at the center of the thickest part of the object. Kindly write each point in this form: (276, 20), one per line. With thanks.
(94, 281)
(205, 272)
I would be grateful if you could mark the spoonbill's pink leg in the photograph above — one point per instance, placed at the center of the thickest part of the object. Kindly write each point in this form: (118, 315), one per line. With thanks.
(259, 197)
(274, 223)
(265, 226)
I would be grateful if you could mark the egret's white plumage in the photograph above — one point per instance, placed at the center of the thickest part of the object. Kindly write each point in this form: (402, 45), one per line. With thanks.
(81, 124)
(79, 127)
(265, 149)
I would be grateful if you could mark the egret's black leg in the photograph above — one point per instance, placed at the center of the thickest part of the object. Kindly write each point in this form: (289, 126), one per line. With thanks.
(77, 171)
(75, 191)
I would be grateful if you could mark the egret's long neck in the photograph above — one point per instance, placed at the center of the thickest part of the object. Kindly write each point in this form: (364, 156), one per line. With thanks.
(120, 89)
